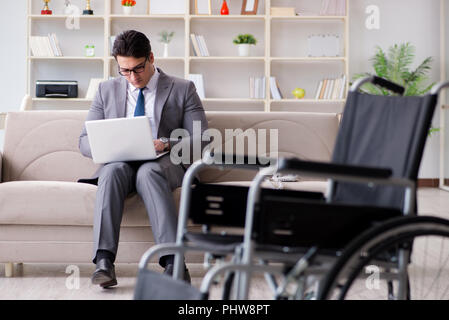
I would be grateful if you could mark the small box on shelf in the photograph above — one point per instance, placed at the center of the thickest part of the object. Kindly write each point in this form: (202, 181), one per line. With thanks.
(282, 11)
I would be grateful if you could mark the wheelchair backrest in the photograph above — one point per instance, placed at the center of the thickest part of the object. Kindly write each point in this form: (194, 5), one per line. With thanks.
(385, 132)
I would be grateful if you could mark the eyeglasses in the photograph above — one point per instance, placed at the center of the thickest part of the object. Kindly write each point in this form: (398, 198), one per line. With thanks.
(138, 69)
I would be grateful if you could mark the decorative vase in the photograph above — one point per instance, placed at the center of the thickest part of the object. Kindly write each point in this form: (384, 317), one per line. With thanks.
(224, 8)
(165, 50)
(127, 10)
(243, 49)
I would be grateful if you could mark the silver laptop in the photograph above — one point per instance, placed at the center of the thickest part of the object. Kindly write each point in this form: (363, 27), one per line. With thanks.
(121, 139)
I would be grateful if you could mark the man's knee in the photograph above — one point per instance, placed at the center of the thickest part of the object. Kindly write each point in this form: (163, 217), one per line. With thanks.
(147, 171)
(115, 170)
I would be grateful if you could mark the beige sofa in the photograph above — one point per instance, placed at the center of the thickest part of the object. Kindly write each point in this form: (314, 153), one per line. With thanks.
(45, 216)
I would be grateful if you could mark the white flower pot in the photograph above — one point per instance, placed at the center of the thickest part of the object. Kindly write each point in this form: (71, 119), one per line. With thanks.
(165, 50)
(243, 49)
(127, 10)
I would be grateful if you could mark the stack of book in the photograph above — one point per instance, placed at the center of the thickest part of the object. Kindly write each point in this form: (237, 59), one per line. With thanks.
(333, 8)
(45, 46)
(331, 89)
(199, 45)
(197, 79)
(274, 88)
(257, 87)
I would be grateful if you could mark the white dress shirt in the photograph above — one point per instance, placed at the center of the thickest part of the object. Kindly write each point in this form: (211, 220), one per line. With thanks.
(150, 98)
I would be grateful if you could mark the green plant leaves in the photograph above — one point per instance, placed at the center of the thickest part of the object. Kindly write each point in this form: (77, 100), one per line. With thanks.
(395, 66)
(166, 36)
(245, 38)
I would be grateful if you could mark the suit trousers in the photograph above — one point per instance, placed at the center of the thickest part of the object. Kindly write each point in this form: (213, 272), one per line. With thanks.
(154, 181)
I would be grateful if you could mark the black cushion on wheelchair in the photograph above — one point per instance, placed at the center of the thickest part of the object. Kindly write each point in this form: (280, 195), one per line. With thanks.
(215, 242)
(151, 285)
(225, 205)
(305, 223)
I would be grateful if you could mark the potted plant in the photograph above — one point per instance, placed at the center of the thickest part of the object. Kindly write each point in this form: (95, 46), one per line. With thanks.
(166, 37)
(395, 66)
(243, 41)
(128, 6)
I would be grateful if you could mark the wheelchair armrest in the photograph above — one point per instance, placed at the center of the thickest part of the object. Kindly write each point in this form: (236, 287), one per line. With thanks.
(331, 169)
(232, 160)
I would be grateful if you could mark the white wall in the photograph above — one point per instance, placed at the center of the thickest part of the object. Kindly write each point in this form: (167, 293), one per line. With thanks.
(12, 56)
(416, 21)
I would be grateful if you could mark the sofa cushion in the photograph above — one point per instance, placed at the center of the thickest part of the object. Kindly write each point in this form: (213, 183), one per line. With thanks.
(72, 204)
(60, 203)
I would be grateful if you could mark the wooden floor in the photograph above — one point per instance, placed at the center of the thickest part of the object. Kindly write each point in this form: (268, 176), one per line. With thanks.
(50, 281)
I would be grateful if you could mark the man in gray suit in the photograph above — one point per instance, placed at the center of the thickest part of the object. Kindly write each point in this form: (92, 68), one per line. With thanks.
(170, 103)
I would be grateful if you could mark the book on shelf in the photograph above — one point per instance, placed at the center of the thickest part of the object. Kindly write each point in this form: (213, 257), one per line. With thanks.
(199, 45)
(333, 8)
(45, 46)
(318, 90)
(197, 79)
(257, 87)
(274, 89)
(202, 45)
(331, 89)
(196, 48)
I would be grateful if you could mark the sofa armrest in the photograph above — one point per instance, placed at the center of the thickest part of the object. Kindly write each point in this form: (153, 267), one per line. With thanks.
(1, 156)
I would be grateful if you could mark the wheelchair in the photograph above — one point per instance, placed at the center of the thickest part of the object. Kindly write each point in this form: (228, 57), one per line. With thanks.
(362, 240)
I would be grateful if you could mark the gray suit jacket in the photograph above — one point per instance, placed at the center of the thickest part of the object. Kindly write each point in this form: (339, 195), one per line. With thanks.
(177, 105)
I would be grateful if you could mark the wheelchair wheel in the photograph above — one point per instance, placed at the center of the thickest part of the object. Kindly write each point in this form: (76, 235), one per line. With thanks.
(404, 258)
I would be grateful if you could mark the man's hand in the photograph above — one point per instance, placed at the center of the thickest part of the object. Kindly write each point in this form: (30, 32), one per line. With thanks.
(159, 145)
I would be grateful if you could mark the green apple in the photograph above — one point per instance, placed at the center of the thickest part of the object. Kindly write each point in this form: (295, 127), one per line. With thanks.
(299, 93)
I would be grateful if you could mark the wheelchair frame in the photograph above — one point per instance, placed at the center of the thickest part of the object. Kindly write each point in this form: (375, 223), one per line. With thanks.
(245, 267)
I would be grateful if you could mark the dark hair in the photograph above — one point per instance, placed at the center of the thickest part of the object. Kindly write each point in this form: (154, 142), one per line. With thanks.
(131, 43)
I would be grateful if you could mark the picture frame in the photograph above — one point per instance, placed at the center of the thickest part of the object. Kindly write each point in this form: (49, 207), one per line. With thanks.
(166, 7)
(203, 7)
(249, 7)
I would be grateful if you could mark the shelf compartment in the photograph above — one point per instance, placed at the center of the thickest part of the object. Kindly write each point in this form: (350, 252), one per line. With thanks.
(286, 43)
(72, 42)
(176, 47)
(305, 75)
(219, 35)
(58, 69)
(228, 79)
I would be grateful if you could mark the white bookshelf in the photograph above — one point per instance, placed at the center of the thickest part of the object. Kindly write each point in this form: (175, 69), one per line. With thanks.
(280, 51)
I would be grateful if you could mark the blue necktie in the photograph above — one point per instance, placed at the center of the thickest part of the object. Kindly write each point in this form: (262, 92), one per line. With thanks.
(140, 105)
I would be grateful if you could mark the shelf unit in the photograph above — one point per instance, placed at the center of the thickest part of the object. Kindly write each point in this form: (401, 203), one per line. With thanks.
(280, 52)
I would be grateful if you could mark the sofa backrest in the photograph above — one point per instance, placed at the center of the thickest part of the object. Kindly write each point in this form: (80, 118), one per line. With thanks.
(309, 136)
(43, 145)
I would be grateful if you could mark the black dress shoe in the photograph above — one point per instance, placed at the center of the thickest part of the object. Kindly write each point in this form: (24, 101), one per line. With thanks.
(169, 272)
(104, 275)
